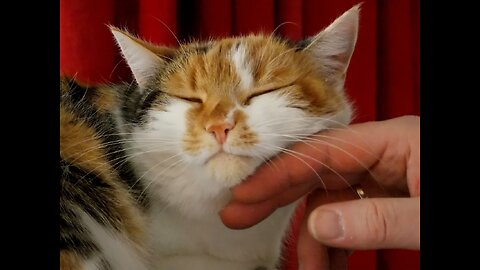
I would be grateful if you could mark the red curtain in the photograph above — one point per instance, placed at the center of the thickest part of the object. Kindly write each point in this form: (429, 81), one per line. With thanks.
(382, 81)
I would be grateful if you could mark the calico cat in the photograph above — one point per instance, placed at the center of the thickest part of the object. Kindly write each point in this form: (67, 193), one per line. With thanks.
(145, 167)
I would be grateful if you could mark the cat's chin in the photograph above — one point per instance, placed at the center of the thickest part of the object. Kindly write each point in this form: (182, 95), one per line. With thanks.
(229, 169)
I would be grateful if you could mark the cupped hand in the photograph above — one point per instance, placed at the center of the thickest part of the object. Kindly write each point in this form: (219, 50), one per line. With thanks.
(383, 158)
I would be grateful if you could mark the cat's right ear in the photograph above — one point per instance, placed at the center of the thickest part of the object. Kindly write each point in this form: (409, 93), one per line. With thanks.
(333, 47)
(144, 59)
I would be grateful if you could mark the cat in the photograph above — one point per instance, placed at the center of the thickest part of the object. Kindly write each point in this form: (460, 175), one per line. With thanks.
(146, 167)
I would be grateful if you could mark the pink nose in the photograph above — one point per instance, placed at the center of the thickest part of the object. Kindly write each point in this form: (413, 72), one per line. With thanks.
(220, 131)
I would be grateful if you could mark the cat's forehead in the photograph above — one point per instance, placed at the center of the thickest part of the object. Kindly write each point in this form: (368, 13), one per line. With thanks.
(233, 65)
(251, 43)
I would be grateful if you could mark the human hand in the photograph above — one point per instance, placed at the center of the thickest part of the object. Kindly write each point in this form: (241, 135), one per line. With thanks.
(385, 153)
(374, 223)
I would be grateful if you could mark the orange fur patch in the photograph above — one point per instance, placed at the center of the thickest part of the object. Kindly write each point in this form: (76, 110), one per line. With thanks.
(104, 99)
(79, 144)
(70, 261)
(244, 137)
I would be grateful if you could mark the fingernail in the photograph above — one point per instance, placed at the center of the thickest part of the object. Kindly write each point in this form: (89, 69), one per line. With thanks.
(325, 225)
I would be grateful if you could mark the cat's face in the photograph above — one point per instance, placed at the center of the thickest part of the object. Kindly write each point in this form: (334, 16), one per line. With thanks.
(226, 106)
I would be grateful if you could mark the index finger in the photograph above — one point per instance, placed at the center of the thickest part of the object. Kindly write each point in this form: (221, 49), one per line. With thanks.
(324, 158)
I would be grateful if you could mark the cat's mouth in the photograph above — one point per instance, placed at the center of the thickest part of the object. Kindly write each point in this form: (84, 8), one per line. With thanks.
(222, 155)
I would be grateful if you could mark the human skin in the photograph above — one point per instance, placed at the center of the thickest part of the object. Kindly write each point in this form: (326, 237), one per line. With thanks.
(382, 157)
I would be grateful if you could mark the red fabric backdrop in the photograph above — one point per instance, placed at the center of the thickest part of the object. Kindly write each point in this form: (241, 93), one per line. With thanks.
(382, 81)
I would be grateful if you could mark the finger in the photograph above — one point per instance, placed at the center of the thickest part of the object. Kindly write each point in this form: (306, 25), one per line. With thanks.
(368, 224)
(241, 216)
(351, 150)
(284, 196)
(311, 253)
(341, 191)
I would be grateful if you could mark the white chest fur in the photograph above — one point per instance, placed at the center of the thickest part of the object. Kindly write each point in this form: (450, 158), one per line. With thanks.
(181, 242)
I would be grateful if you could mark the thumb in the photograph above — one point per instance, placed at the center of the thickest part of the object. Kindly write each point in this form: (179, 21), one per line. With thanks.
(368, 224)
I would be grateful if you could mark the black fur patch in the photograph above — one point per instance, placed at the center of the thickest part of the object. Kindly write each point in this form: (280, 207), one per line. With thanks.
(104, 265)
(73, 236)
(136, 103)
(130, 102)
(78, 100)
(203, 48)
(302, 44)
(147, 102)
(89, 192)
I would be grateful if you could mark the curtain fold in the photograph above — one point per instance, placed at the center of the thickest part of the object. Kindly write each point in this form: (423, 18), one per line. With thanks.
(398, 53)
(288, 19)
(383, 79)
(157, 21)
(86, 46)
(207, 18)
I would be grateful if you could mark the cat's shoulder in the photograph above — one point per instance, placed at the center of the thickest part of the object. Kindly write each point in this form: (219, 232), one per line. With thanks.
(85, 121)
(101, 98)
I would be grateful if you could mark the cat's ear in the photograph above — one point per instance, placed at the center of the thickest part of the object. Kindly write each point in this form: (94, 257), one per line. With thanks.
(143, 58)
(333, 47)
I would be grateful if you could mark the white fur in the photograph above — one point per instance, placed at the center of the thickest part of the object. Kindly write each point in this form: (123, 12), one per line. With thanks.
(238, 56)
(119, 252)
(205, 243)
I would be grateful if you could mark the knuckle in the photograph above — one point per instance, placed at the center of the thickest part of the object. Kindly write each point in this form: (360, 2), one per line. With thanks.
(377, 222)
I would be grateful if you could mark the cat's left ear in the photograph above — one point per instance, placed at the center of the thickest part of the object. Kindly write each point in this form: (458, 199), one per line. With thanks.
(144, 59)
(332, 48)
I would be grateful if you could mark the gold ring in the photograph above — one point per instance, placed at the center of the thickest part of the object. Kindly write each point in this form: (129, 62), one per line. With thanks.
(361, 193)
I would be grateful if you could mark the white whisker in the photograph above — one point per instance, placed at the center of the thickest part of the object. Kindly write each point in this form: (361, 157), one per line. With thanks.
(284, 150)
(304, 139)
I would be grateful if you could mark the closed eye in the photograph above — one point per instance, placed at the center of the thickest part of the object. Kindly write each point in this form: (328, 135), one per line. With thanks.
(190, 99)
(263, 92)
(249, 98)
